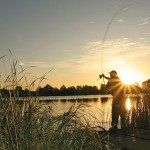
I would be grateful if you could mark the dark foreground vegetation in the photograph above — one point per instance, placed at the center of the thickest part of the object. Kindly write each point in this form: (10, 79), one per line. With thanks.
(27, 127)
(139, 115)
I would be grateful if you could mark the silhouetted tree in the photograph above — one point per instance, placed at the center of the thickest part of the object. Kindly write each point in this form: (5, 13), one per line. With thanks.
(146, 86)
(19, 91)
(78, 88)
(102, 89)
(71, 90)
(55, 92)
(63, 90)
(25, 93)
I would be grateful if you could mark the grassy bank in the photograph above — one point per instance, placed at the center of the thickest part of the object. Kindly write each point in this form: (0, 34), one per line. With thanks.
(25, 126)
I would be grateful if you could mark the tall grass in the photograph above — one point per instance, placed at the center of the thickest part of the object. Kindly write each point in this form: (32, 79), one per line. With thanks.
(139, 115)
(25, 125)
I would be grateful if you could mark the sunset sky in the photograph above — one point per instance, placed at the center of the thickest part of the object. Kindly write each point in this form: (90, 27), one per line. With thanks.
(67, 35)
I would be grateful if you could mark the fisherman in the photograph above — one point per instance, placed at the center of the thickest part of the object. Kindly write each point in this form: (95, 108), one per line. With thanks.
(115, 87)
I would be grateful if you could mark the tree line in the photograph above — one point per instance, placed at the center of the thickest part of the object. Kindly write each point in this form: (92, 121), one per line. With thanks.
(48, 90)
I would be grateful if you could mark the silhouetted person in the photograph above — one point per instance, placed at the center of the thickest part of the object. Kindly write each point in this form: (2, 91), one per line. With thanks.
(114, 86)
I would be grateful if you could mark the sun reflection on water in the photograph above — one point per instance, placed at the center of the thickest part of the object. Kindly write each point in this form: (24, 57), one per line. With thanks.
(128, 104)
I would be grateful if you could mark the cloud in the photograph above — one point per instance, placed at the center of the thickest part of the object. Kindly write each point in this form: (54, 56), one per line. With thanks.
(144, 22)
(39, 64)
(120, 20)
(91, 22)
(114, 54)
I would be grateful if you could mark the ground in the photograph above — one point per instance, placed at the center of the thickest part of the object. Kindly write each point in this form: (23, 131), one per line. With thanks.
(137, 139)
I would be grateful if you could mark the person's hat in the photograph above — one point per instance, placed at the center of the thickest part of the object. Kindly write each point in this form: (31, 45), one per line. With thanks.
(113, 72)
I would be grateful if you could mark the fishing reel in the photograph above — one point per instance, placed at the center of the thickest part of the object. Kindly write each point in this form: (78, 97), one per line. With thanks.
(101, 76)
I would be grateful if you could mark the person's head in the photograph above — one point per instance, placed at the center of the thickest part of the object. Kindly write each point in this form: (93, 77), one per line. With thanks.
(113, 73)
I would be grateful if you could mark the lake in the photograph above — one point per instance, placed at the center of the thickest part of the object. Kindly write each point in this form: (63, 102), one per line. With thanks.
(96, 109)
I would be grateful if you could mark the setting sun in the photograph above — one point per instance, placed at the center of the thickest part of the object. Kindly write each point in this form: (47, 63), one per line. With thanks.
(129, 76)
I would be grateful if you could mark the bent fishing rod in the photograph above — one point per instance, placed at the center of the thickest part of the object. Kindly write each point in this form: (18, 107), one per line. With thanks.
(105, 35)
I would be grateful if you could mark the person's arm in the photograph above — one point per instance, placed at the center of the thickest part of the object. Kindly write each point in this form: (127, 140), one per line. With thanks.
(105, 77)
(108, 87)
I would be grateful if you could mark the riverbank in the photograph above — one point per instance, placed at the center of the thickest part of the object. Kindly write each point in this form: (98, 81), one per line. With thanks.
(137, 139)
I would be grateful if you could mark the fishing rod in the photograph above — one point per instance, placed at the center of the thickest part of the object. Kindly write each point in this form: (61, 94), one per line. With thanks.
(105, 35)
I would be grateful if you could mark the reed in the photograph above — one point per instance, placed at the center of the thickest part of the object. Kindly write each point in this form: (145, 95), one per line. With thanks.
(139, 115)
(27, 125)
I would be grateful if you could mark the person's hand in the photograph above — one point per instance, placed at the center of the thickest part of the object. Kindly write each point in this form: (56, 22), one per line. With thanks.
(100, 76)
(103, 75)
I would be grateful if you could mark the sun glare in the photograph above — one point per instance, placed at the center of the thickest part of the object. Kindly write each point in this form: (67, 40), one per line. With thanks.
(128, 104)
(129, 77)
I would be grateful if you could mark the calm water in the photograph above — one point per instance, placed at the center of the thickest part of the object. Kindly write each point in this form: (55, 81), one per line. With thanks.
(96, 110)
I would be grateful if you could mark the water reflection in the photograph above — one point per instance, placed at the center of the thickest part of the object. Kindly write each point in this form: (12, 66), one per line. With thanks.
(96, 111)
(104, 99)
(128, 104)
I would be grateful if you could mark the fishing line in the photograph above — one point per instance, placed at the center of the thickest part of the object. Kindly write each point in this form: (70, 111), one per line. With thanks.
(106, 32)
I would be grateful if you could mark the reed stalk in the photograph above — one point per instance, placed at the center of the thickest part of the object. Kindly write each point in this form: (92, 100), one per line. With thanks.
(27, 124)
